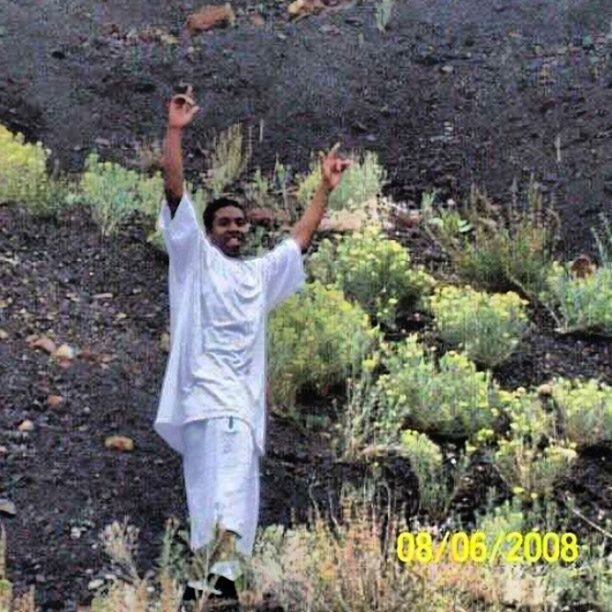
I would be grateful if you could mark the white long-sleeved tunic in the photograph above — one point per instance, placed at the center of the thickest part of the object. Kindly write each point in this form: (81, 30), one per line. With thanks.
(218, 312)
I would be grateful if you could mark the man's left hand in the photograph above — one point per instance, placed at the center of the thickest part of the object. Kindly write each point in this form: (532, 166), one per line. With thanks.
(332, 167)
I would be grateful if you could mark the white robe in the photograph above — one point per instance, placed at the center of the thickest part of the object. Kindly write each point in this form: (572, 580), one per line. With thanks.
(221, 472)
(218, 312)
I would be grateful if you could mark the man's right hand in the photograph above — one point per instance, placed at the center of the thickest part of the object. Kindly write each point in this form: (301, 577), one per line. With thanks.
(181, 109)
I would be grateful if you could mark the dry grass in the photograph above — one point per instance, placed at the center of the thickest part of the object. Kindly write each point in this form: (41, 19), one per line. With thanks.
(228, 159)
(343, 563)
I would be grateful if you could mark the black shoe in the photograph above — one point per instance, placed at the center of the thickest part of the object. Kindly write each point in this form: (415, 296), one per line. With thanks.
(226, 587)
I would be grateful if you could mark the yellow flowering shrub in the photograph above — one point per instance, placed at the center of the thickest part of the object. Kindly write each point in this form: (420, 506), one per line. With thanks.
(488, 327)
(530, 471)
(451, 398)
(316, 337)
(534, 453)
(586, 410)
(113, 192)
(580, 303)
(373, 270)
(23, 174)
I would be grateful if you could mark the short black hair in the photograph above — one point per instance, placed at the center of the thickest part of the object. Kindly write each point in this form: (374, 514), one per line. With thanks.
(215, 205)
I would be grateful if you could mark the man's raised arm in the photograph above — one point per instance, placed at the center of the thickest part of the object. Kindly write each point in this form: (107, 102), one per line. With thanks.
(332, 168)
(181, 110)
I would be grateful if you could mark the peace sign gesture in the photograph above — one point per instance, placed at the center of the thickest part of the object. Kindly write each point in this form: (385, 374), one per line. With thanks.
(181, 109)
(332, 167)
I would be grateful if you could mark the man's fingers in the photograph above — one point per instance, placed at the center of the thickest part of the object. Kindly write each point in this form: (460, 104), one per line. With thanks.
(334, 149)
(183, 98)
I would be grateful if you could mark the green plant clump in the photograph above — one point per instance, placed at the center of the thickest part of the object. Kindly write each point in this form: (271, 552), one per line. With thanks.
(580, 303)
(427, 463)
(451, 399)
(23, 175)
(586, 410)
(498, 249)
(534, 453)
(487, 327)
(227, 160)
(114, 192)
(372, 270)
(316, 337)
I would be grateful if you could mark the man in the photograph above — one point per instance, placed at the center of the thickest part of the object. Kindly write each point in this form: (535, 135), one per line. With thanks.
(212, 405)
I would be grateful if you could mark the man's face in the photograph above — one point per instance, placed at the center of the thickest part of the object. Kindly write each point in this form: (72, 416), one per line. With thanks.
(229, 230)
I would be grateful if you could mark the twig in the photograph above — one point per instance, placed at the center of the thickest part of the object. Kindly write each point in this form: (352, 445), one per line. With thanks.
(588, 521)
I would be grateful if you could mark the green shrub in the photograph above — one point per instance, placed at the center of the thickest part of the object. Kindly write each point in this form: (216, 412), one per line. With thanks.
(497, 249)
(114, 192)
(372, 270)
(580, 304)
(586, 410)
(451, 399)
(427, 464)
(487, 327)
(530, 471)
(361, 182)
(23, 175)
(514, 515)
(227, 160)
(534, 453)
(272, 193)
(357, 423)
(258, 191)
(505, 518)
(316, 337)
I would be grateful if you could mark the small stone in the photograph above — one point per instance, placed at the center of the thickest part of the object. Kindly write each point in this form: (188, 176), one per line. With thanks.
(302, 8)
(120, 443)
(209, 17)
(64, 352)
(46, 344)
(3, 334)
(26, 425)
(164, 342)
(7, 507)
(447, 69)
(95, 584)
(55, 400)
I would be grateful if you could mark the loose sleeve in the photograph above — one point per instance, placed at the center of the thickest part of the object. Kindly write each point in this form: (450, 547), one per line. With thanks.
(283, 272)
(182, 234)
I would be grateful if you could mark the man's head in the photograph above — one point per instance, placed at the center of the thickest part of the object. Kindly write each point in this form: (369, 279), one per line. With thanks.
(226, 225)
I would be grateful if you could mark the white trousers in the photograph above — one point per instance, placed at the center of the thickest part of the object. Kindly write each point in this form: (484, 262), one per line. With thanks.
(221, 471)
